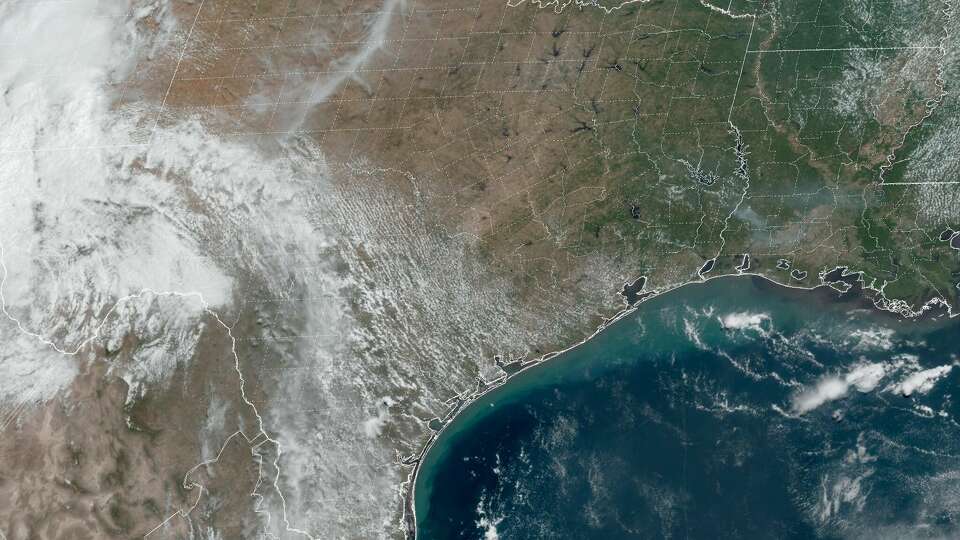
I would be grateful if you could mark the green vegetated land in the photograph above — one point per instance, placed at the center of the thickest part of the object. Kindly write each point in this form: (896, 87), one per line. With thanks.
(797, 132)
(584, 146)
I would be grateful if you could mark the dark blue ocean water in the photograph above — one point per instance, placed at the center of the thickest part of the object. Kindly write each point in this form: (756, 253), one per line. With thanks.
(732, 409)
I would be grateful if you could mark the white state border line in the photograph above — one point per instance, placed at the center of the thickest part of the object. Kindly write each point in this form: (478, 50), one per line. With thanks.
(944, 182)
(187, 484)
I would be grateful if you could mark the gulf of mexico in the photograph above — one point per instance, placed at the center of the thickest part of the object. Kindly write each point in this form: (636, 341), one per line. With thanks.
(730, 409)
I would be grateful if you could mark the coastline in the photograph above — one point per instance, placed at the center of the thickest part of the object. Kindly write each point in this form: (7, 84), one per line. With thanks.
(855, 291)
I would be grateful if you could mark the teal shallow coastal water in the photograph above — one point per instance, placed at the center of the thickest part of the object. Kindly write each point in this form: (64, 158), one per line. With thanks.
(731, 409)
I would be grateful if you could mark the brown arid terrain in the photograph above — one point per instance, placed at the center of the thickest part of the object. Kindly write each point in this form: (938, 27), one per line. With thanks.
(382, 201)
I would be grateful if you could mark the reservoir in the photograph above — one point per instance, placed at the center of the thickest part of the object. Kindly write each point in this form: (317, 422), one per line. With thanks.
(733, 408)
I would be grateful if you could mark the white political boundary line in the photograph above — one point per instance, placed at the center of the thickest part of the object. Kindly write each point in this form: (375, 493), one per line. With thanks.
(845, 49)
(945, 182)
(236, 364)
(176, 69)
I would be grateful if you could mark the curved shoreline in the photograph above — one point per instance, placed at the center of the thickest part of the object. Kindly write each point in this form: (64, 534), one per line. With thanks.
(869, 295)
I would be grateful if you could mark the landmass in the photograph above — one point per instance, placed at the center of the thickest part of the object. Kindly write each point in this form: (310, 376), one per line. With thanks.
(254, 248)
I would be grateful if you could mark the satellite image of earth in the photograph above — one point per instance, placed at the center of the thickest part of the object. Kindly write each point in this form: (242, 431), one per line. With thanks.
(479, 269)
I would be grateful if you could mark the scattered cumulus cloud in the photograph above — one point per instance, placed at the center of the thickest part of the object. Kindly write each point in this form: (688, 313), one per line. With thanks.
(828, 389)
(373, 427)
(864, 377)
(920, 382)
(873, 339)
(745, 321)
(489, 528)
(690, 330)
(845, 490)
(488, 525)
